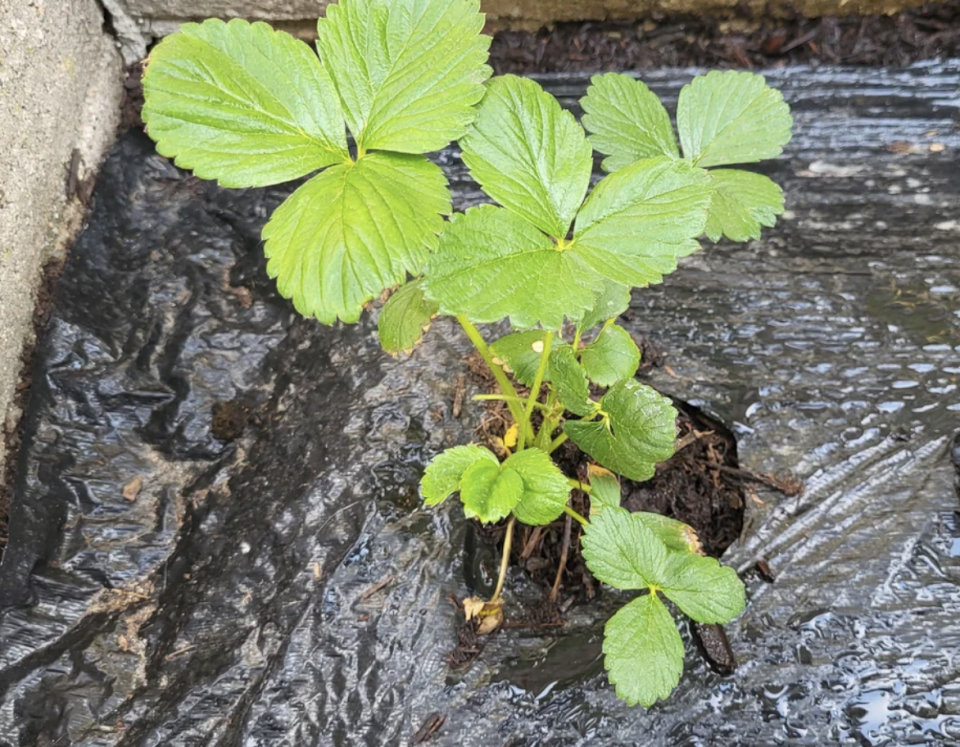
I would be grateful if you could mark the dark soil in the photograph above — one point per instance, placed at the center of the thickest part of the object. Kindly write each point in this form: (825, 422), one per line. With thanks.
(931, 31)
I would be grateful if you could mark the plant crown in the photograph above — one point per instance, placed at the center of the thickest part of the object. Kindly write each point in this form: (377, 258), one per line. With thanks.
(250, 106)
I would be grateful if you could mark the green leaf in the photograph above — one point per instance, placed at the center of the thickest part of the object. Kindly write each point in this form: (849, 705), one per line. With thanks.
(604, 489)
(731, 117)
(638, 431)
(622, 551)
(677, 536)
(570, 380)
(353, 230)
(611, 357)
(518, 351)
(492, 264)
(610, 303)
(242, 104)
(626, 121)
(529, 154)
(705, 590)
(743, 202)
(442, 476)
(639, 220)
(643, 652)
(490, 491)
(545, 488)
(409, 72)
(404, 318)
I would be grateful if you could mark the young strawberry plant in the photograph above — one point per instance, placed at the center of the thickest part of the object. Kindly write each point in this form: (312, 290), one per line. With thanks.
(250, 106)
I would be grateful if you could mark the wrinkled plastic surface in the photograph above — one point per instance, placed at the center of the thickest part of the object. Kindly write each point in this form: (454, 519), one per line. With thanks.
(165, 587)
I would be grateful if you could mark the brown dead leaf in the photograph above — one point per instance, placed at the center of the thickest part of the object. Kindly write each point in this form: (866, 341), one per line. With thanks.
(488, 614)
(131, 491)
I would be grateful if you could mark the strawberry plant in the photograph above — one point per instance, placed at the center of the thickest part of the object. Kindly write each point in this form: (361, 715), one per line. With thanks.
(250, 106)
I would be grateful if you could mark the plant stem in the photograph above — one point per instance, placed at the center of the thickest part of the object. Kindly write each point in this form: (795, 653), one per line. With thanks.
(535, 389)
(577, 517)
(505, 398)
(583, 487)
(557, 442)
(505, 386)
(505, 560)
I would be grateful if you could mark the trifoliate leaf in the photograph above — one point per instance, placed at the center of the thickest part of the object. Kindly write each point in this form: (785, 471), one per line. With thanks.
(705, 590)
(409, 72)
(489, 491)
(492, 263)
(677, 536)
(545, 488)
(731, 117)
(643, 652)
(354, 230)
(442, 476)
(622, 551)
(404, 318)
(637, 431)
(743, 202)
(626, 121)
(610, 303)
(519, 351)
(604, 489)
(611, 357)
(242, 104)
(568, 376)
(640, 219)
(529, 154)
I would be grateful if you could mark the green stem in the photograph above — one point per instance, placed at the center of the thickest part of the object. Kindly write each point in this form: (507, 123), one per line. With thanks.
(535, 389)
(570, 512)
(505, 386)
(578, 485)
(557, 443)
(505, 398)
(505, 560)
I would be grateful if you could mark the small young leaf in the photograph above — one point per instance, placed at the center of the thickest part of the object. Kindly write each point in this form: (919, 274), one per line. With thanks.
(620, 550)
(242, 103)
(610, 303)
(529, 154)
(409, 72)
(353, 230)
(638, 431)
(517, 351)
(677, 536)
(492, 264)
(490, 491)
(626, 121)
(604, 489)
(613, 356)
(442, 476)
(643, 652)
(730, 117)
(545, 488)
(640, 219)
(705, 590)
(404, 318)
(571, 381)
(743, 202)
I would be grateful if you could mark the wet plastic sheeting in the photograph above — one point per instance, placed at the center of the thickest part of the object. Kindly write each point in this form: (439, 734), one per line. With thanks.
(216, 537)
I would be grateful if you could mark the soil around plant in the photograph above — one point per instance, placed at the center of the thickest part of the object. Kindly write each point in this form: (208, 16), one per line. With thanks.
(931, 31)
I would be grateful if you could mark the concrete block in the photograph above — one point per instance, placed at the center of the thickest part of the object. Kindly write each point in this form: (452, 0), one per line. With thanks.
(60, 89)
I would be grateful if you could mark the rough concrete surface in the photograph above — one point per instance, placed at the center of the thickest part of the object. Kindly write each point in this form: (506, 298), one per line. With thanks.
(59, 94)
(139, 21)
